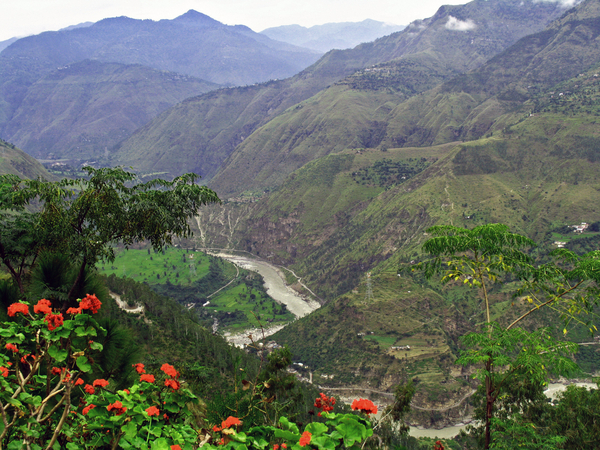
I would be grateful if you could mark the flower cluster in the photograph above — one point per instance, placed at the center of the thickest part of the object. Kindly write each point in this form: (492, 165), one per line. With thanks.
(170, 371)
(117, 407)
(364, 405)
(90, 302)
(54, 320)
(324, 403)
(305, 439)
(17, 308)
(438, 445)
(227, 423)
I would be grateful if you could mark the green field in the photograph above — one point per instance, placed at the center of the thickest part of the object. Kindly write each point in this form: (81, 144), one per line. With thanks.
(194, 278)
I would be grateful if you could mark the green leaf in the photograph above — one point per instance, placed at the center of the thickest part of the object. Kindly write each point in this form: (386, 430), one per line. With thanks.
(57, 354)
(352, 431)
(287, 425)
(323, 442)
(130, 430)
(287, 435)
(83, 364)
(316, 428)
(160, 444)
(96, 346)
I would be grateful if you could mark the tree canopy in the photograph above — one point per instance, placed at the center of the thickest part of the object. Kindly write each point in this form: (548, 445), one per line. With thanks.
(83, 218)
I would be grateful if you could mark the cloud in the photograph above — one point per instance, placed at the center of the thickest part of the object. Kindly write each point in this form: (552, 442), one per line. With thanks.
(455, 24)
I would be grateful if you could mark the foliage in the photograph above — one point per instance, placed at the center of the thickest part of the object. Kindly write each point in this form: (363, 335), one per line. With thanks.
(46, 367)
(489, 254)
(82, 218)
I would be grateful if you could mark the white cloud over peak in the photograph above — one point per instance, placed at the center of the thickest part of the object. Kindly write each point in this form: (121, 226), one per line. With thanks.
(455, 24)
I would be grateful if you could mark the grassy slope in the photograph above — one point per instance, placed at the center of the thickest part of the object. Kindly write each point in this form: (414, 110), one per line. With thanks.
(14, 161)
(237, 306)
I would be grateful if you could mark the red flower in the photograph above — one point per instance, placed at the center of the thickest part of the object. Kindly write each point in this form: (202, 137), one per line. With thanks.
(324, 403)
(87, 409)
(74, 311)
(139, 368)
(4, 371)
(56, 371)
(175, 447)
(117, 407)
(100, 383)
(54, 321)
(221, 442)
(165, 417)
(364, 405)
(276, 447)
(89, 389)
(169, 370)
(43, 306)
(126, 391)
(17, 308)
(153, 411)
(79, 382)
(304, 439)
(24, 358)
(90, 302)
(217, 429)
(438, 445)
(147, 377)
(173, 384)
(12, 347)
(230, 421)
(283, 445)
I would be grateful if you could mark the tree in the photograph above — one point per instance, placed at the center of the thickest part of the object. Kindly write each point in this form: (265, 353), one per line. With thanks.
(83, 218)
(490, 254)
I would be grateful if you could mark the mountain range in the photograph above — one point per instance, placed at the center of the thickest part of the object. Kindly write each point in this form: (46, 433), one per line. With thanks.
(329, 36)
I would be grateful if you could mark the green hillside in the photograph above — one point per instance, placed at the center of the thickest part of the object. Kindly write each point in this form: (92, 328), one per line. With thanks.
(14, 161)
(81, 111)
(210, 127)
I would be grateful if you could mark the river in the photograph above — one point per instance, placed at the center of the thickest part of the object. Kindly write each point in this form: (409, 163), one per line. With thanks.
(274, 282)
(452, 431)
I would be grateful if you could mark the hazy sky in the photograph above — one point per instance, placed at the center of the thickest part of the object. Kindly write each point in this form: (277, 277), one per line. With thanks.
(25, 17)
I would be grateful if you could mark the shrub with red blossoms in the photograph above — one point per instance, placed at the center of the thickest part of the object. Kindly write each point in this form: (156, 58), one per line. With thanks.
(100, 382)
(173, 384)
(438, 445)
(18, 308)
(87, 409)
(324, 403)
(43, 306)
(79, 382)
(305, 439)
(169, 370)
(4, 371)
(117, 407)
(230, 421)
(74, 311)
(364, 405)
(139, 368)
(54, 321)
(90, 302)
(12, 347)
(147, 378)
(153, 411)
(89, 389)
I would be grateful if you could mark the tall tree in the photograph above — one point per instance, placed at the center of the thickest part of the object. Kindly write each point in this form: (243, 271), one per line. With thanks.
(490, 254)
(83, 218)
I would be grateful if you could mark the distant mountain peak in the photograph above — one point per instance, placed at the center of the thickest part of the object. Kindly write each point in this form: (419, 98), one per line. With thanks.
(194, 17)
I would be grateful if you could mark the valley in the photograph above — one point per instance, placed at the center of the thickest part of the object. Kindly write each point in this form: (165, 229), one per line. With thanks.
(349, 183)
